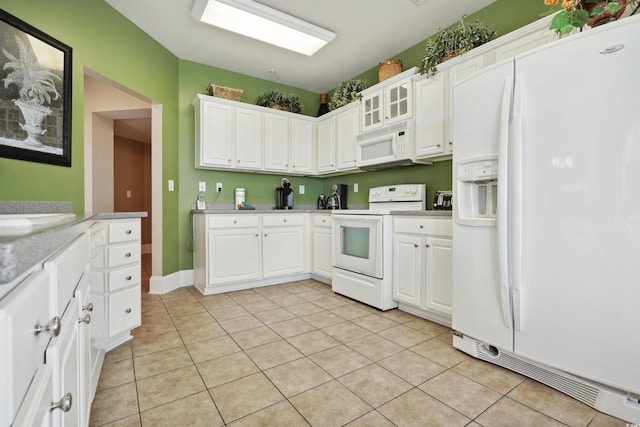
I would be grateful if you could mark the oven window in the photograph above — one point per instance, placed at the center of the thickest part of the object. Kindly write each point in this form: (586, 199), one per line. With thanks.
(355, 241)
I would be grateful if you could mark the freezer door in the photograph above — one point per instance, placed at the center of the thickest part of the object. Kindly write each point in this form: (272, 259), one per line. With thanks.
(481, 305)
(576, 209)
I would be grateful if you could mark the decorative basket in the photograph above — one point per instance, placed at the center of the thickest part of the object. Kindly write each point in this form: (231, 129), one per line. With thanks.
(389, 68)
(225, 92)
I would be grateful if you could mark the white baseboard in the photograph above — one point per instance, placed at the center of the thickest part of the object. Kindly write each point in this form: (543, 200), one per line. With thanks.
(171, 282)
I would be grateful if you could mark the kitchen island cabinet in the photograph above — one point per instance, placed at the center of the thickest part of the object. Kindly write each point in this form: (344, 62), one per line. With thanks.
(422, 269)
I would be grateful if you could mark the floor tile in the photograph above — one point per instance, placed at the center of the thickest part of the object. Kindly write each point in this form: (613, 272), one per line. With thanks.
(130, 421)
(375, 322)
(274, 316)
(375, 385)
(403, 335)
(210, 349)
(186, 299)
(245, 396)
(291, 327)
(322, 319)
(304, 309)
(371, 419)
(460, 393)
(329, 303)
(185, 310)
(330, 404)
(122, 352)
(340, 360)
(416, 408)
(346, 331)
(312, 342)
(225, 369)
(495, 377)
(114, 404)
(196, 410)
(286, 300)
(193, 320)
(153, 343)
(257, 307)
(375, 347)
(411, 366)
(201, 332)
(160, 362)
(116, 373)
(165, 388)
(427, 327)
(399, 316)
(351, 311)
(281, 414)
(149, 329)
(239, 324)
(273, 354)
(509, 413)
(297, 376)
(225, 313)
(440, 352)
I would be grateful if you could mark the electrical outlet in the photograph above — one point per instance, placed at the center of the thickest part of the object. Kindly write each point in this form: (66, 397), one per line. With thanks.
(202, 186)
(355, 187)
(301, 189)
(218, 187)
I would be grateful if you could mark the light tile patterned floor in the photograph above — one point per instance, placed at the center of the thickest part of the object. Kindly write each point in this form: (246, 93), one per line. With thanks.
(296, 355)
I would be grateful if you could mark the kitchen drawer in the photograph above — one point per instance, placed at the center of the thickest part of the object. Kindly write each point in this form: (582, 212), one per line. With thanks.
(282, 220)
(65, 269)
(21, 349)
(124, 232)
(232, 221)
(426, 226)
(123, 255)
(124, 311)
(125, 277)
(322, 220)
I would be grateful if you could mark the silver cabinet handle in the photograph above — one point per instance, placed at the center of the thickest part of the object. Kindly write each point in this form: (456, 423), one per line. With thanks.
(86, 319)
(127, 232)
(53, 327)
(63, 404)
(128, 254)
(128, 310)
(88, 307)
(128, 277)
(421, 226)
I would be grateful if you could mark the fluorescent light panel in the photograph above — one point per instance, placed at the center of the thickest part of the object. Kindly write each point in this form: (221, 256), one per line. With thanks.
(262, 23)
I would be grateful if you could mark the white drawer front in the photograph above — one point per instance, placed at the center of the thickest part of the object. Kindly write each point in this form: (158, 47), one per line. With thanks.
(123, 255)
(282, 220)
(124, 232)
(65, 269)
(231, 221)
(427, 226)
(123, 278)
(322, 220)
(124, 311)
(21, 350)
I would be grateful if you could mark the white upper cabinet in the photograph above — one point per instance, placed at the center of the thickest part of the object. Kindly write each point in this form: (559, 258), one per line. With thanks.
(276, 142)
(387, 102)
(347, 128)
(214, 134)
(429, 120)
(248, 138)
(326, 144)
(301, 143)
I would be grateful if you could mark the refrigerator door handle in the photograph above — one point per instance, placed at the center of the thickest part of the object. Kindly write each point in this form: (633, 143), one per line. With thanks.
(516, 201)
(502, 211)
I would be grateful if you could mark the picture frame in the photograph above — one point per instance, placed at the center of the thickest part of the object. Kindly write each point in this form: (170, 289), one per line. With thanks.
(35, 94)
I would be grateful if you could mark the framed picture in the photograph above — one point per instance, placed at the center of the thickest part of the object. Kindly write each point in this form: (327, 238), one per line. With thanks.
(35, 94)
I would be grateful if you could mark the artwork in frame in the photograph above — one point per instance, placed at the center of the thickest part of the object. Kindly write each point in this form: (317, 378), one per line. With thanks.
(35, 94)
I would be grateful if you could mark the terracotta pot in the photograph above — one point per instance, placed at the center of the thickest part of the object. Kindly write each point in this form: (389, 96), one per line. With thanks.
(606, 16)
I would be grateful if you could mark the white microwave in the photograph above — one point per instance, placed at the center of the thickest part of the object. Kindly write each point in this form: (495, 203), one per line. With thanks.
(387, 147)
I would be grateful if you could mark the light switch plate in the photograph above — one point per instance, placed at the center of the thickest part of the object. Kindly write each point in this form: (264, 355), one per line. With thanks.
(202, 186)
(301, 189)
(171, 185)
(355, 187)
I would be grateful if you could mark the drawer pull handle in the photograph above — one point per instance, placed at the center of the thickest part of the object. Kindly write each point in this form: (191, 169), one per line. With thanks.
(86, 319)
(53, 327)
(235, 222)
(127, 232)
(128, 310)
(256, 234)
(128, 277)
(284, 220)
(88, 307)
(63, 404)
(421, 226)
(128, 254)
(426, 246)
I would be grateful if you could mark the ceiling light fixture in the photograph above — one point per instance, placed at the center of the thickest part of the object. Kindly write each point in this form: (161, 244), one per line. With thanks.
(263, 23)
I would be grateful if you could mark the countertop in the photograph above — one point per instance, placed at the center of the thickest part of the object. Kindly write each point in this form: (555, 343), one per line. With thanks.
(21, 253)
(230, 211)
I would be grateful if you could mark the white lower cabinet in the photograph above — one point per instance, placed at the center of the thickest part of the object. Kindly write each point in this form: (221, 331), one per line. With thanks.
(422, 266)
(321, 265)
(236, 251)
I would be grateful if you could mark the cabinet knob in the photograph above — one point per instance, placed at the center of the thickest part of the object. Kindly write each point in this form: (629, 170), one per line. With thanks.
(426, 246)
(63, 404)
(415, 246)
(256, 234)
(128, 310)
(88, 307)
(127, 232)
(128, 277)
(235, 222)
(128, 254)
(421, 226)
(86, 319)
(438, 145)
(265, 235)
(284, 220)
(53, 327)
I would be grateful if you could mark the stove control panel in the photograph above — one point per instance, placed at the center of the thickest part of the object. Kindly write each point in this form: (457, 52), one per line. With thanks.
(398, 193)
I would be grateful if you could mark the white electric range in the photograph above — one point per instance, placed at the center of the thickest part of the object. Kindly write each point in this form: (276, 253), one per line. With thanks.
(362, 244)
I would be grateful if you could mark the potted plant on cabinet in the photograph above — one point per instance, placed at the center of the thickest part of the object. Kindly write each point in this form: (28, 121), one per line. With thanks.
(578, 13)
(347, 92)
(449, 43)
(280, 101)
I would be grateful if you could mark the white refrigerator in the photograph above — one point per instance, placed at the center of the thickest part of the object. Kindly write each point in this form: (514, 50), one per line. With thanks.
(546, 176)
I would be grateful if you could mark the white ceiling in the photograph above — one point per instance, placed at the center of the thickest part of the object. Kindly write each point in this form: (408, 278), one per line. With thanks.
(368, 32)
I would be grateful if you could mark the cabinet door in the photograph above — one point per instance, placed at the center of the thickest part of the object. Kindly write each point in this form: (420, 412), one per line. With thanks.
(523, 44)
(327, 145)
(85, 324)
(398, 102)
(276, 142)
(248, 139)
(214, 135)
(429, 120)
(347, 132)
(372, 111)
(438, 275)
(301, 146)
(233, 255)
(322, 251)
(455, 74)
(282, 251)
(36, 406)
(407, 268)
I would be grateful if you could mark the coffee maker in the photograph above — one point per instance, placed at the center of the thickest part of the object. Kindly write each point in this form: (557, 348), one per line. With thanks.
(338, 197)
(284, 195)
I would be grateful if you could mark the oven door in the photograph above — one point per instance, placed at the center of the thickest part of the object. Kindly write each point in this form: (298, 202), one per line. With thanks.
(357, 244)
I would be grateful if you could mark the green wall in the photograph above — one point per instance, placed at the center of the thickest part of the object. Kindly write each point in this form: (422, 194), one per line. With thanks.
(107, 43)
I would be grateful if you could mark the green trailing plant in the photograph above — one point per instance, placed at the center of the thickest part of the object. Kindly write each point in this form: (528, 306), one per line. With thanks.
(280, 100)
(578, 13)
(452, 42)
(347, 92)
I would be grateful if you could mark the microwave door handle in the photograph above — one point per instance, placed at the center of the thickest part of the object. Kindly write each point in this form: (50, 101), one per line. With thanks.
(394, 144)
